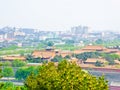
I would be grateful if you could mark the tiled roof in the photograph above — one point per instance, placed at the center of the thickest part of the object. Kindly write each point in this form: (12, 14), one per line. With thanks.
(14, 58)
(93, 47)
(96, 59)
(50, 54)
(44, 54)
(111, 50)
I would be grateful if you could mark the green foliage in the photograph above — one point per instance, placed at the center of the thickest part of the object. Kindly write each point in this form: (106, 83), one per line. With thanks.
(7, 63)
(65, 76)
(8, 86)
(8, 72)
(11, 86)
(1, 84)
(99, 41)
(86, 55)
(67, 47)
(31, 59)
(22, 73)
(18, 63)
(57, 58)
(1, 70)
(50, 43)
(98, 64)
(67, 57)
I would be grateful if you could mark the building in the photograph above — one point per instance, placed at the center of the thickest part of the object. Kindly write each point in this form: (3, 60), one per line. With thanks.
(79, 30)
(12, 58)
(91, 48)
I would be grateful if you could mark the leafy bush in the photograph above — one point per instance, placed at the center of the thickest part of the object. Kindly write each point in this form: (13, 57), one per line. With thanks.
(98, 64)
(64, 76)
(18, 63)
(8, 72)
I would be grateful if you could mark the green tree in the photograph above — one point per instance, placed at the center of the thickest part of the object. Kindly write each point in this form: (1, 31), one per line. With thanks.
(22, 73)
(98, 64)
(67, 57)
(30, 58)
(99, 41)
(57, 58)
(64, 76)
(50, 43)
(18, 63)
(1, 84)
(8, 86)
(8, 72)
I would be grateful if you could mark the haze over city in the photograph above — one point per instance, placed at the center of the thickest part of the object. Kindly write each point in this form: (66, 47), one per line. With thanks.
(60, 14)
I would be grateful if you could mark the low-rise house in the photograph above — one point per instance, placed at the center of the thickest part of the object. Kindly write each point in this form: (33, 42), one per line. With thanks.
(50, 53)
(43, 54)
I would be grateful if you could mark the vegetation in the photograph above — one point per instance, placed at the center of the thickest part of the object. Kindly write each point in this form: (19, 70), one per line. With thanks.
(85, 55)
(98, 64)
(31, 59)
(109, 57)
(22, 73)
(8, 72)
(11, 86)
(67, 47)
(57, 58)
(65, 76)
(7, 63)
(1, 84)
(67, 57)
(18, 63)
(50, 43)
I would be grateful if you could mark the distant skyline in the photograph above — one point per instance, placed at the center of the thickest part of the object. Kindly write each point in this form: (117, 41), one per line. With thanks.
(60, 14)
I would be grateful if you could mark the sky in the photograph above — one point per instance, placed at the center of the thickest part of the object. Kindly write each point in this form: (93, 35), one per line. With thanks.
(60, 14)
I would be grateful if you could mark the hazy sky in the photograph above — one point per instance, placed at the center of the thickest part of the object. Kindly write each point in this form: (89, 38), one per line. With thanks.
(60, 14)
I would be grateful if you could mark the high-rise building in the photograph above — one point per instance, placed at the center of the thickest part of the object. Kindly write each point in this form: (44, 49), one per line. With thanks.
(79, 30)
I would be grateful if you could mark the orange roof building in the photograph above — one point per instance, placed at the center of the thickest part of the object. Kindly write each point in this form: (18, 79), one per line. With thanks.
(94, 48)
(44, 54)
(11, 58)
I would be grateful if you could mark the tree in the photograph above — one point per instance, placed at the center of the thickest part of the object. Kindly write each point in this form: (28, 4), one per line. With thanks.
(110, 59)
(98, 64)
(57, 58)
(30, 58)
(1, 84)
(18, 63)
(99, 41)
(11, 86)
(64, 76)
(8, 72)
(50, 43)
(67, 57)
(22, 73)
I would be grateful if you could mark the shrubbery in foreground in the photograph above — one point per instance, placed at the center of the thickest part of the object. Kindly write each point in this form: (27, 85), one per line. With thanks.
(64, 76)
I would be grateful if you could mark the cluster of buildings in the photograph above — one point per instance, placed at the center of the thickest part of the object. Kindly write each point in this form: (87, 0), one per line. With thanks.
(50, 53)
(32, 37)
